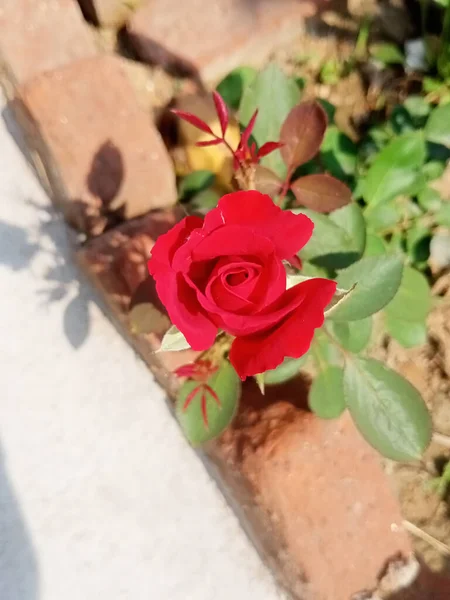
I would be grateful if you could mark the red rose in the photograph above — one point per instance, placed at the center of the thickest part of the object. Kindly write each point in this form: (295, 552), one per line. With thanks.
(226, 272)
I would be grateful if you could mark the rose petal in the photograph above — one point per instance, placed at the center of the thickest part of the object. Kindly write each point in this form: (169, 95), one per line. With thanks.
(271, 284)
(288, 232)
(166, 245)
(290, 337)
(185, 311)
(233, 297)
(203, 245)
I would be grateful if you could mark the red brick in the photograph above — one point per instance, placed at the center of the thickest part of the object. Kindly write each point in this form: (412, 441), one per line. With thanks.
(323, 488)
(109, 13)
(41, 35)
(214, 36)
(104, 157)
(116, 263)
(311, 493)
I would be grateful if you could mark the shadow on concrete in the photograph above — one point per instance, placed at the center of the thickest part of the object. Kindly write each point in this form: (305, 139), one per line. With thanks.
(51, 236)
(18, 249)
(19, 574)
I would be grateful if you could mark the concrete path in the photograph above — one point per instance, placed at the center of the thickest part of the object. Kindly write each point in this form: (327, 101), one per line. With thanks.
(100, 496)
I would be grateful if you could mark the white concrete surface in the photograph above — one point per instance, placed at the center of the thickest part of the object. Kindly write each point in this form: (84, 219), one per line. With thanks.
(100, 496)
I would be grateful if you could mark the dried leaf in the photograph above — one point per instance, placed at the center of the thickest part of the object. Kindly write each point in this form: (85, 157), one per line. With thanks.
(145, 318)
(339, 297)
(302, 133)
(222, 111)
(321, 192)
(173, 341)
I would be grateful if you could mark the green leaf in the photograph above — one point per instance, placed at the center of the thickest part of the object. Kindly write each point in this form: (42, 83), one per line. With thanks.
(377, 280)
(232, 87)
(413, 299)
(331, 72)
(203, 202)
(433, 169)
(326, 396)
(437, 129)
(274, 95)
(288, 369)
(429, 199)
(443, 215)
(227, 385)
(194, 183)
(410, 209)
(396, 244)
(384, 216)
(407, 333)
(418, 238)
(329, 108)
(388, 54)
(173, 341)
(338, 153)
(338, 239)
(417, 107)
(311, 270)
(353, 335)
(351, 220)
(401, 120)
(395, 169)
(324, 351)
(375, 245)
(388, 411)
(438, 152)
(340, 296)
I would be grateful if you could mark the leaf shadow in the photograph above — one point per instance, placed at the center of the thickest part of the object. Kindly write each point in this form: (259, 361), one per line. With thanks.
(21, 246)
(19, 574)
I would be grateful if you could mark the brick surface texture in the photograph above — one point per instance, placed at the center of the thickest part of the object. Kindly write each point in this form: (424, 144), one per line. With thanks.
(104, 157)
(214, 36)
(40, 35)
(314, 496)
(116, 262)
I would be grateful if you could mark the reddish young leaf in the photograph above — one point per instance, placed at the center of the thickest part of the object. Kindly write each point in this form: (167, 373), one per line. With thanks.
(200, 370)
(186, 370)
(214, 395)
(321, 192)
(204, 409)
(268, 147)
(191, 396)
(193, 120)
(248, 130)
(222, 111)
(266, 181)
(302, 133)
(209, 143)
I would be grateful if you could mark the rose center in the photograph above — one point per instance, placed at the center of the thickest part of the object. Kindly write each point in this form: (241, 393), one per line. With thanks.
(233, 279)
